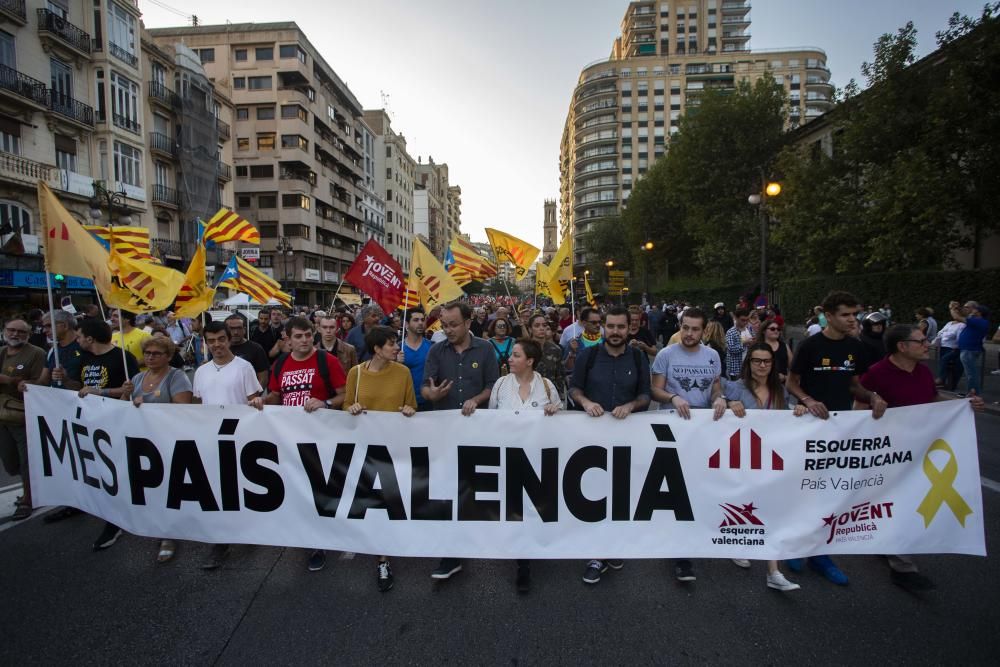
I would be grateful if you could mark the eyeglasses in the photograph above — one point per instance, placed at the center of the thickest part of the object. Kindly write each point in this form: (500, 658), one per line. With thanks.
(153, 353)
(16, 332)
(593, 321)
(774, 328)
(762, 362)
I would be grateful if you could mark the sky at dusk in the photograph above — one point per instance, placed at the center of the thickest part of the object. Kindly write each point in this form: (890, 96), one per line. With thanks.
(485, 86)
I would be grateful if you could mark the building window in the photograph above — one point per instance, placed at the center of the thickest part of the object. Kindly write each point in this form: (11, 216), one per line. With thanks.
(121, 28)
(262, 171)
(128, 164)
(267, 201)
(265, 142)
(265, 113)
(296, 231)
(10, 136)
(292, 51)
(241, 171)
(207, 55)
(264, 53)
(14, 214)
(240, 55)
(239, 82)
(244, 201)
(294, 141)
(259, 83)
(268, 230)
(295, 200)
(294, 111)
(242, 113)
(65, 152)
(125, 102)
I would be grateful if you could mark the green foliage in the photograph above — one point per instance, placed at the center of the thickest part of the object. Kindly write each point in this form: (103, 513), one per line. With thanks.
(905, 291)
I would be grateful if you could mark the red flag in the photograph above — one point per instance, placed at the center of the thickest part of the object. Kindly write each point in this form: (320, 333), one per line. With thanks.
(377, 274)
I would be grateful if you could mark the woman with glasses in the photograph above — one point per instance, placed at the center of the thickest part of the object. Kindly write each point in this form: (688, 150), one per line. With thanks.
(770, 334)
(502, 342)
(159, 383)
(760, 389)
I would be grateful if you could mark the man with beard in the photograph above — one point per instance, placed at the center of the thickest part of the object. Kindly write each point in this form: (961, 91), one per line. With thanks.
(264, 334)
(328, 341)
(414, 351)
(610, 377)
(21, 363)
(687, 375)
(368, 317)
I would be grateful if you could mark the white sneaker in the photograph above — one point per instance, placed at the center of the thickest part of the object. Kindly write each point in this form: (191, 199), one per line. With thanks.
(741, 562)
(996, 372)
(778, 582)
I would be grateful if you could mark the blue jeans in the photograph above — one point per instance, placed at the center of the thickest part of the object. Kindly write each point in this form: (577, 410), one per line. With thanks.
(949, 368)
(972, 361)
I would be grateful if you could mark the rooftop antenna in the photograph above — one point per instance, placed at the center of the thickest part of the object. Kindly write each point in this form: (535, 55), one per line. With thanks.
(385, 103)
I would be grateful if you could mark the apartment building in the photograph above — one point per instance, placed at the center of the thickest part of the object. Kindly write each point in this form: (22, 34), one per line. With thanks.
(299, 149)
(434, 217)
(395, 171)
(625, 107)
(371, 205)
(47, 126)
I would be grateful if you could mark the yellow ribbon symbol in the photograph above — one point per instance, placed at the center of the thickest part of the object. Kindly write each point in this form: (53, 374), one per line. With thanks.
(942, 489)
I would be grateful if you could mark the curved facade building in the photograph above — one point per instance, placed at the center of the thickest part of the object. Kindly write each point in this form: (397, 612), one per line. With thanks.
(625, 108)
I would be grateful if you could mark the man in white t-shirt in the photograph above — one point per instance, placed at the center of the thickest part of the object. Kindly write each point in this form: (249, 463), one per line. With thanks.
(226, 379)
(223, 380)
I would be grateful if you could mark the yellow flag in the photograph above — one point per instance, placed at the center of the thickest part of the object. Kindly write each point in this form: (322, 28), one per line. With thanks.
(429, 279)
(590, 295)
(140, 286)
(543, 285)
(561, 269)
(69, 248)
(195, 295)
(507, 248)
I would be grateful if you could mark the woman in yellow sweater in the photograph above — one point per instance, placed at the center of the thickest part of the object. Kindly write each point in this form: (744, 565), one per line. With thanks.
(384, 385)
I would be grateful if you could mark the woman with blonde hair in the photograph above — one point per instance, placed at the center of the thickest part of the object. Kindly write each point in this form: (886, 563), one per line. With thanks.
(715, 338)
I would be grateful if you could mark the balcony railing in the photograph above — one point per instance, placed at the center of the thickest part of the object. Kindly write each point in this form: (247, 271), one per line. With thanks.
(15, 10)
(162, 143)
(127, 123)
(164, 195)
(23, 169)
(159, 92)
(223, 128)
(64, 30)
(123, 55)
(169, 247)
(66, 106)
(225, 172)
(23, 85)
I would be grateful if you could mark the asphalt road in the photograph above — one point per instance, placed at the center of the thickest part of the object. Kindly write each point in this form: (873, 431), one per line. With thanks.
(64, 604)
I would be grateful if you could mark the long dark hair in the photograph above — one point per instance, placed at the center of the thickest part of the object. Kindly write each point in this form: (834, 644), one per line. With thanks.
(760, 338)
(774, 386)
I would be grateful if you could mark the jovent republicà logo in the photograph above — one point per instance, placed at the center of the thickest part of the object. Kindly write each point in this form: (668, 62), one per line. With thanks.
(740, 526)
(858, 523)
(735, 458)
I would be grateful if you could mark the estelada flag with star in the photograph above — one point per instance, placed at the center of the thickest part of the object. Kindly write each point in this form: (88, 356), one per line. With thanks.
(507, 248)
(378, 275)
(429, 279)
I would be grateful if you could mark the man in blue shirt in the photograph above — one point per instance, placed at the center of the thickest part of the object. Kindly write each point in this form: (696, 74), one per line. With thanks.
(414, 351)
(970, 341)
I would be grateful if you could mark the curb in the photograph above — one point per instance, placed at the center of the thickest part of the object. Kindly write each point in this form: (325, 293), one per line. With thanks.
(991, 407)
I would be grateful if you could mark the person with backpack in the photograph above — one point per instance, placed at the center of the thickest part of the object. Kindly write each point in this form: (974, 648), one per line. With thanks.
(294, 382)
(610, 377)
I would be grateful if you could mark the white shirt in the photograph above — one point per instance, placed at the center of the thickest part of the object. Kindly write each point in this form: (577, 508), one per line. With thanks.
(506, 394)
(948, 335)
(225, 385)
(438, 336)
(813, 329)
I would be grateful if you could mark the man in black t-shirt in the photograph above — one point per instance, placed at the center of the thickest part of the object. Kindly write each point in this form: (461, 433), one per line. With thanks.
(264, 334)
(247, 350)
(825, 376)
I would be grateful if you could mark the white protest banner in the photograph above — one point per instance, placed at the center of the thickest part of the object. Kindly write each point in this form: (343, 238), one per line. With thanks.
(517, 484)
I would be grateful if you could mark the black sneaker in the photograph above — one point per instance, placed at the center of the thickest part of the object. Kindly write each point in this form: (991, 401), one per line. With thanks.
(60, 514)
(595, 569)
(218, 556)
(683, 571)
(912, 581)
(108, 537)
(523, 578)
(317, 561)
(446, 568)
(615, 564)
(384, 573)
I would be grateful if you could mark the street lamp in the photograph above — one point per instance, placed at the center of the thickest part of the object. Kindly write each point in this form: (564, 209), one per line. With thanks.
(109, 200)
(646, 249)
(284, 249)
(771, 189)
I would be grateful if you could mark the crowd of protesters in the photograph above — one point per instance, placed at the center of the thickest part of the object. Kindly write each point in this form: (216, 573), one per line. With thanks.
(485, 354)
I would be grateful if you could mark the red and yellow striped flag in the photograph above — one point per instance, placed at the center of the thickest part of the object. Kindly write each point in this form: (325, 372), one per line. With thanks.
(507, 248)
(195, 295)
(132, 242)
(148, 287)
(228, 225)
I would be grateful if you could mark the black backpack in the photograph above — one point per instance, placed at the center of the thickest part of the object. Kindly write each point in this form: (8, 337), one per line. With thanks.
(321, 364)
(588, 364)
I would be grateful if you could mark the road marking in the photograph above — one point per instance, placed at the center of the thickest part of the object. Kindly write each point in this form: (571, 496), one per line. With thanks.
(990, 484)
